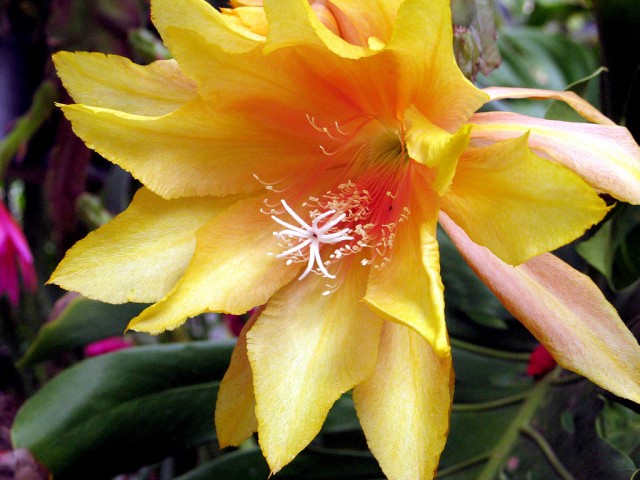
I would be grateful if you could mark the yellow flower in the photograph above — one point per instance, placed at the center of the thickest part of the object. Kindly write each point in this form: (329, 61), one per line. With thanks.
(299, 157)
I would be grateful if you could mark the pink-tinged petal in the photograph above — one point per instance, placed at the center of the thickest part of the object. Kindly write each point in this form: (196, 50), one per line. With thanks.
(607, 157)
(233, 269)
(110, 81)
(306, 350)
(235, 415)
(404, 406)
(518, 204)
(584, 108)
(564, 310)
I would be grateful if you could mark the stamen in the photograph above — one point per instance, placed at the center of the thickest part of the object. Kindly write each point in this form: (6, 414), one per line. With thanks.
(312, 236)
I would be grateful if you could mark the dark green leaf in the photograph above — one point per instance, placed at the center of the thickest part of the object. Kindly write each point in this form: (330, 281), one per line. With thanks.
(532, 57)
(81, 322)
(613, 249)
(311, 464)
(561, 111)
(118, 412)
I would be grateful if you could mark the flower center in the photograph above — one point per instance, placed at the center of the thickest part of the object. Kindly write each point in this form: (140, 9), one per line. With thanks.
(310, 237)
(349, 220)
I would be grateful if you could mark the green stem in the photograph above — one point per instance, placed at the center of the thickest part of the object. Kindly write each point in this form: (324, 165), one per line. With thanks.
(28, 124)
(504, 446)
(459, 467)
(548, 452)
(489, 352)
(501, 402)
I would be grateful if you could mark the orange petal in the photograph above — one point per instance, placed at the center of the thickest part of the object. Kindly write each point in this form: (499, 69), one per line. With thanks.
(231, 270)
(114, 82)
(565, 311)
(306, 350)
(284, 87)
(404, 406)
(584, 108)
(236, 404)
(607, 157)
(518, 204)
(141, 254)
(408, 289)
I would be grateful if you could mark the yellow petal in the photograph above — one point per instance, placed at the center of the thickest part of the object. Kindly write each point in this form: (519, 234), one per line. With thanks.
(141, 254)
(517, 204)
(404, 406)
(231, 270)
(236, 404)
(206, 21)
(565, 311)
(194, 151)
(305, 350)
(252, 18)
(422, 40)
(580, 105)
(607, 157)
(434, 147)
(110, 81)
(408, 289)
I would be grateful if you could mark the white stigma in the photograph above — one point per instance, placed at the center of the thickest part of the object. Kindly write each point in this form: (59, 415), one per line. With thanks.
(311, 236)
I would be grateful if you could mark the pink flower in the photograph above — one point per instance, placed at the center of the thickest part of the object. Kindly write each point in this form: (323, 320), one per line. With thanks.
(107, 345)
(540, 362)
(14, 255)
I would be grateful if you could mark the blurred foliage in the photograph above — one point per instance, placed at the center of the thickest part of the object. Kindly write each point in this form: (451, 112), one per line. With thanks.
(149, 409)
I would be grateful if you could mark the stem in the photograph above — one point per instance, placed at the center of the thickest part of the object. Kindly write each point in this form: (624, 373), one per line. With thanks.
(548, 452)
(459, 467)
(489, 352)
(28, 124)
(500, 452)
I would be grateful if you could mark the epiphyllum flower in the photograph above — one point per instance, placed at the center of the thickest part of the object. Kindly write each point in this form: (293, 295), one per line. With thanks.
(305, 171)
(15, 257)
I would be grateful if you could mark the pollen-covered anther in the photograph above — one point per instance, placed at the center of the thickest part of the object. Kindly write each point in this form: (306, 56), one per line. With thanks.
(305, 240)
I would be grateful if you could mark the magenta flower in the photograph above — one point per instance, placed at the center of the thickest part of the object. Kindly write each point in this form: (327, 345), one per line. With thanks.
(14, 255)
(106, 345)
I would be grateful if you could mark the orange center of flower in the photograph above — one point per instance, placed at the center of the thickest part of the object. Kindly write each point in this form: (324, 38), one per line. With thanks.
(361, 215)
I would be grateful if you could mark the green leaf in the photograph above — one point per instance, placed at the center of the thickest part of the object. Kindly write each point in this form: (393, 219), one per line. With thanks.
(312, 464)
(546, 432)
(613, 249)
(81, 322)
(121, 411)
(561, 111)
(532, 57)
